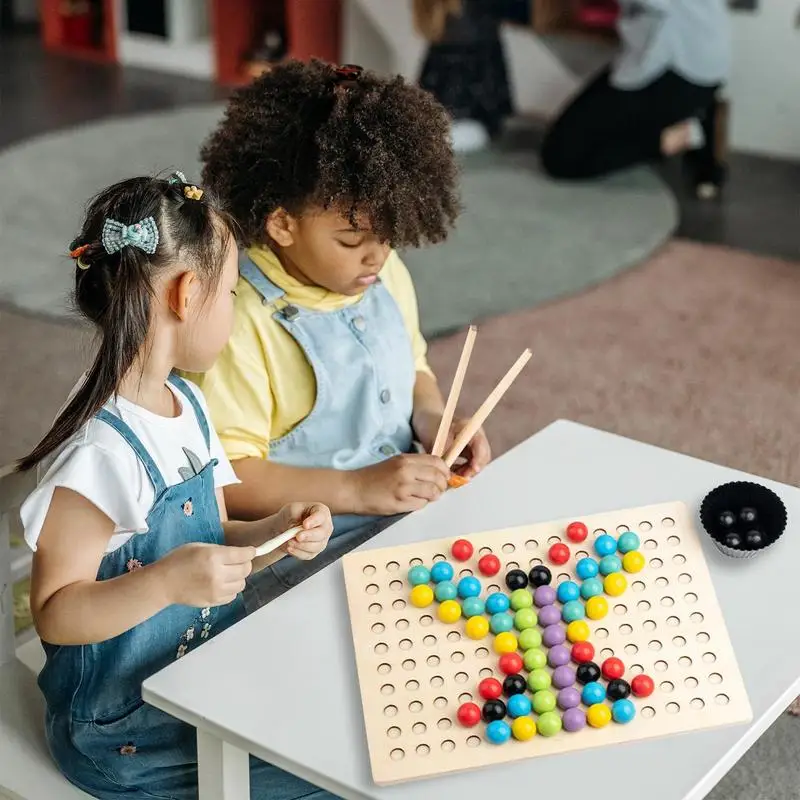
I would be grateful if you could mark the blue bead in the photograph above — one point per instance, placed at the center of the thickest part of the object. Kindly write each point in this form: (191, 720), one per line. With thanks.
(497, 602)
(472, 607)
(593, 693)
(498, 732)
(627, 542)
(591, 588)
(573, 610)
(605, 545)
(623, 711)
(586, 568)
(502, 622)
(469, 587)
(518, 705)
(446, 590)
(567, 591)
(609, 564)
(442, 571)
(418, 575)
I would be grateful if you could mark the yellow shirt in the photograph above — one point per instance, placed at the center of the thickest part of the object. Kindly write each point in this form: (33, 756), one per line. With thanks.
(262, 385)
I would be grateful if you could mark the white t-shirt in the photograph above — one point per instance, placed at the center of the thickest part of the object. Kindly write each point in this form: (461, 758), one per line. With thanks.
(100, 465)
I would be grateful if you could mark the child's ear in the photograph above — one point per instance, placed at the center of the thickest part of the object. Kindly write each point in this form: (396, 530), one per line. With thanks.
(281, 226)
(183, 292)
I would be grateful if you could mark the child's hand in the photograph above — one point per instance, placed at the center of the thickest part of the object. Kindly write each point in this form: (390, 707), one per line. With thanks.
(400, 484)
(204, 575)
(318, 527)
(476, 455)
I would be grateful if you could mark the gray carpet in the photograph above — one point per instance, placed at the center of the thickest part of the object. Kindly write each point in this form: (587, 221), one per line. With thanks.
(523, 240)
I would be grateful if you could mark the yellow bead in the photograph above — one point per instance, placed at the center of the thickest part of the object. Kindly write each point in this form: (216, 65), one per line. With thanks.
(523, 728)
(596, 607)
(633, 561)
(477, 627)
(598, 715)
(578, 631)
(449, 611)
(505, 642)
(421, 596)
(615, 584)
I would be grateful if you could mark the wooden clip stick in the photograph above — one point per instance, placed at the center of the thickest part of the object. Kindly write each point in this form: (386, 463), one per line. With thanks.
(483, 412)
(455, 392)
(277, 541)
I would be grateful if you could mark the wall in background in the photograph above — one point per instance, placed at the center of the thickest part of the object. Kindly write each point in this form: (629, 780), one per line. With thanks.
(26, 10)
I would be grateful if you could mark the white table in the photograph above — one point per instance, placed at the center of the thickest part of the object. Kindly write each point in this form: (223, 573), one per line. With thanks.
(282, 684)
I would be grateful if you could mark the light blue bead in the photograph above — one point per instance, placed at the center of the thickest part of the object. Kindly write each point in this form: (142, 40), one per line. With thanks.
(497, 602)
(442, 571)
(446, 590)
(472, 607)
(569, 590)
(605, 545)
(627, 542)
(623, 711)
(518, 706)
(591, 588)
(419, 575)
(593, 693)
(586, 568)
(502, 622)
(469, 586)
(498, 732)
(609, 564)
(573, 610)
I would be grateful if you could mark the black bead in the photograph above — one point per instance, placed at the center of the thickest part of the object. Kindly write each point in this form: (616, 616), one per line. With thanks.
(618, 689)
(587, 672)
(733, 539)
(514, 684)
(516, 579)
(754, 538)
(727, 519)
(493, 710)
(540, 575)
(748, 515)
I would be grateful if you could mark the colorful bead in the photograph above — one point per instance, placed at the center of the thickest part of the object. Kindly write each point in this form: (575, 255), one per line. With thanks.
(421, 596)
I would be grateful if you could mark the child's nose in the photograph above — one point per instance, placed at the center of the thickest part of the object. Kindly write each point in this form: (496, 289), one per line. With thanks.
(377, 255)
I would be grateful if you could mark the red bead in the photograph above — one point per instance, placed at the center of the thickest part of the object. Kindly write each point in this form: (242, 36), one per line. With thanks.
(510, 663)
(577, 532)
(559, 553)
(612, 668)
(490, 688)
(469, 714)
(642, 686)
(489, 565)
(462, 550)
(582, 652)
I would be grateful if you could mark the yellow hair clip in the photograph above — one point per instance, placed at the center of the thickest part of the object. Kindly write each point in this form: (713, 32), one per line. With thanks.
(192, 192)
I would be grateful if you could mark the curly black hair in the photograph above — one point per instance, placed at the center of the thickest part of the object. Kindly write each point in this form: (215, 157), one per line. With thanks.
(309, 135)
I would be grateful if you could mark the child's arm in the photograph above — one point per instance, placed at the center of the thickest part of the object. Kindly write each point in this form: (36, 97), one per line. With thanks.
(71, 607)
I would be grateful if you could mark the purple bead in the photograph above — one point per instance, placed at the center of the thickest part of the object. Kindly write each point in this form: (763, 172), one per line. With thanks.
(574, 719)
(553, 635)
(569, 698)
(549, 615)
(544, 596)
(558, 656)
(563, 677)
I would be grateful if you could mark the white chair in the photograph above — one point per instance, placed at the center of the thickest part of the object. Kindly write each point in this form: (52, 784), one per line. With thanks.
(26, 770)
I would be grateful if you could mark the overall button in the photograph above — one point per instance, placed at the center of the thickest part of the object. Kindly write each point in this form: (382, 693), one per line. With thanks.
(360, 324)
(386, 396)
(290, 312)
(386, 450)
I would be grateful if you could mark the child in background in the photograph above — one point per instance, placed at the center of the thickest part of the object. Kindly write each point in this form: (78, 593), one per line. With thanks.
(324, 381)
(135, 560)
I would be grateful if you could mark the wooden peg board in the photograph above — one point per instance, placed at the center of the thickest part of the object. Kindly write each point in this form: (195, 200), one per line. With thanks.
(415, 671)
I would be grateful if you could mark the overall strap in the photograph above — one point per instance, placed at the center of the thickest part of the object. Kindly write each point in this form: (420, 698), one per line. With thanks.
(266, 289)
(124, 430)
(180, 384)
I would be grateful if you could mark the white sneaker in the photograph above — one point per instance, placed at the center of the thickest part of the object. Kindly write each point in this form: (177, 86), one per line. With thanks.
(469, 136)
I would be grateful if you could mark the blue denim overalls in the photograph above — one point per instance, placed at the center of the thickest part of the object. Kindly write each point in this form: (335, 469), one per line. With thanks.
(364, 368)
(102, 735)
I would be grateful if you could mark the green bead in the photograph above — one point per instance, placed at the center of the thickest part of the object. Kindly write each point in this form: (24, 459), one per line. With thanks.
(521, 598)
(539, 679)
(549, 723)
(530, 638)
(534, 659)
(544, 701)
(525, 619)
(418, 575)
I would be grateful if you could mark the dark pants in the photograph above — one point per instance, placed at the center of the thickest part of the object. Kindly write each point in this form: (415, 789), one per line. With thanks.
(605, 129)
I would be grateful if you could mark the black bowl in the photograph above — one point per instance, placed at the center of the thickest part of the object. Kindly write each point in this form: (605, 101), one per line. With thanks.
(734, 497)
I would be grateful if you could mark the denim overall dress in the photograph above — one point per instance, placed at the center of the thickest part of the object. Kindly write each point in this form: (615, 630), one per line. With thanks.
(102, 735)
(364, 368)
